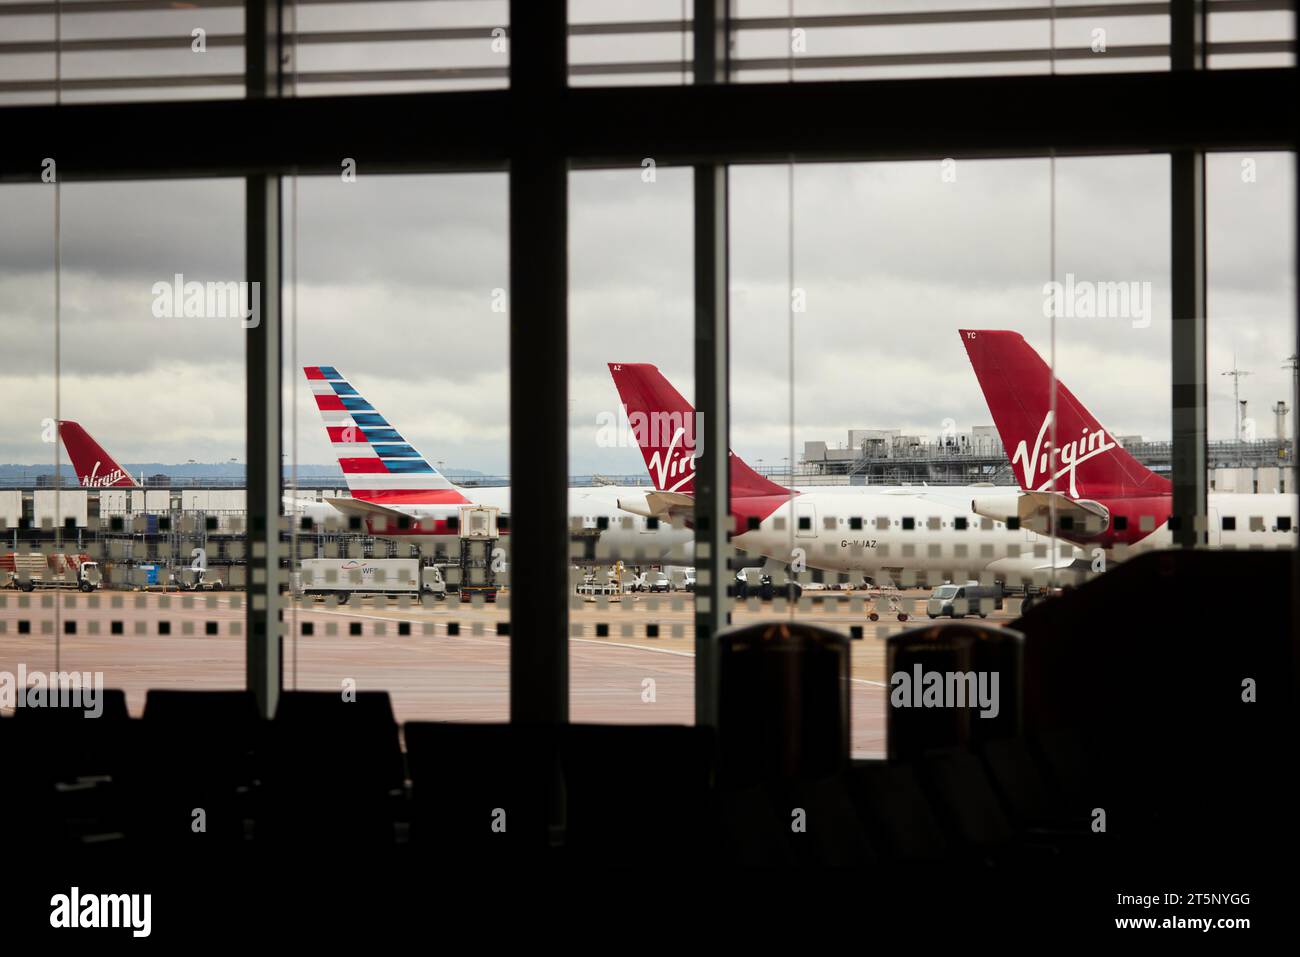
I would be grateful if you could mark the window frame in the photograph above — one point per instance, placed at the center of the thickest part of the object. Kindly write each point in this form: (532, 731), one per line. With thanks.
(539, 129)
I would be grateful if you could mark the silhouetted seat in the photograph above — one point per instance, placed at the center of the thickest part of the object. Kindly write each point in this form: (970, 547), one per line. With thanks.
(823, 823)
(1021, 785)
(1135, 687)
(748, 829)
(192, 767)
(332, 771)
(231, 712)
(67, 743)
(897, 813)
(482, 792)
(975, 819)
(635, 790)
(69, 762)
(783, 703)
(783, 737)
(968, 806)
(978, 666)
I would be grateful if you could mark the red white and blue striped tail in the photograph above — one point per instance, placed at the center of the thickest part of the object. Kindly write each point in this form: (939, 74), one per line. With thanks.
(379, 465)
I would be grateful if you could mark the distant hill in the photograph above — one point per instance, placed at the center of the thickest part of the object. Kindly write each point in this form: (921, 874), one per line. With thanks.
(223, 473)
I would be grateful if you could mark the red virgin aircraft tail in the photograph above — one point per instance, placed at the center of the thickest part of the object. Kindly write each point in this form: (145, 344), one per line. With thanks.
(95, 468)
(1086, 461)
(663, 423)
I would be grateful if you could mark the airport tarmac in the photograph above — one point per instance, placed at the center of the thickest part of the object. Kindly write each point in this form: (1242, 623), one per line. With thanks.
(631, 661)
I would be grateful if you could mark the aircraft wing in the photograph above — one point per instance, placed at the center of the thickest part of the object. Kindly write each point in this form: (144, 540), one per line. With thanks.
(354, 506)
(957, 498)
(1072, 564)
(661, 505)
(1034, 509)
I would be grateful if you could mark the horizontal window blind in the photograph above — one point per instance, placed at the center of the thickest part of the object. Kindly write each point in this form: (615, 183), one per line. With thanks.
(149, 49)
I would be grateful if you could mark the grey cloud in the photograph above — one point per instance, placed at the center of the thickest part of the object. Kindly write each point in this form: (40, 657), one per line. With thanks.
(396, 275)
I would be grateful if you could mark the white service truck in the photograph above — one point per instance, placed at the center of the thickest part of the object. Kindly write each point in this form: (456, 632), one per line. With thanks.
(345, 577)
(33, 570)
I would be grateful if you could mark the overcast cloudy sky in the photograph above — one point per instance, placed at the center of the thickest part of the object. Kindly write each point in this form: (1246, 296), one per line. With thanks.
(395, 280)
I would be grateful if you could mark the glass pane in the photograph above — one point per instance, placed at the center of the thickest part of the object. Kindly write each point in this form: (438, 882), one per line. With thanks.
(630, 42)
(82, 52)
(397, 440)
(27, 296)
(1250, 343)
(779, 40)
(1108, 344)
(400, 46)
(858, 290)
(1251, 35)
(850, 388)
(162, 50)
(631, 446)
(129, 559)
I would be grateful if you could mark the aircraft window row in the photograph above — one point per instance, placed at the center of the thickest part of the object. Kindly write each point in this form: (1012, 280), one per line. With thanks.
(602, 522)
(1146, 523)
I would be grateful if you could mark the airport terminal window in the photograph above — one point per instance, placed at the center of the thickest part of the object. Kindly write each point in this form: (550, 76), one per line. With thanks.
(89, 52)
(399, 46)
(396, 434)
(631, 437)
(1109, 331)
(867, 301)
(27, 306)
(629, 42)
(1250, 336)
(128, 560)
(849, 284)
(164, 51)
(1251, 36)
(816, 40)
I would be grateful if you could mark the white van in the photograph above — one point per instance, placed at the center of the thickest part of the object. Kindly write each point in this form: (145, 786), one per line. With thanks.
(957, 601)
(657, 581)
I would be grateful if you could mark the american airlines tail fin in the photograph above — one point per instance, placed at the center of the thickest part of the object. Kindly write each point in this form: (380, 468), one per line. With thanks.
(95, 468)
(377, 462)
(1087, 461)
(663, 423)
